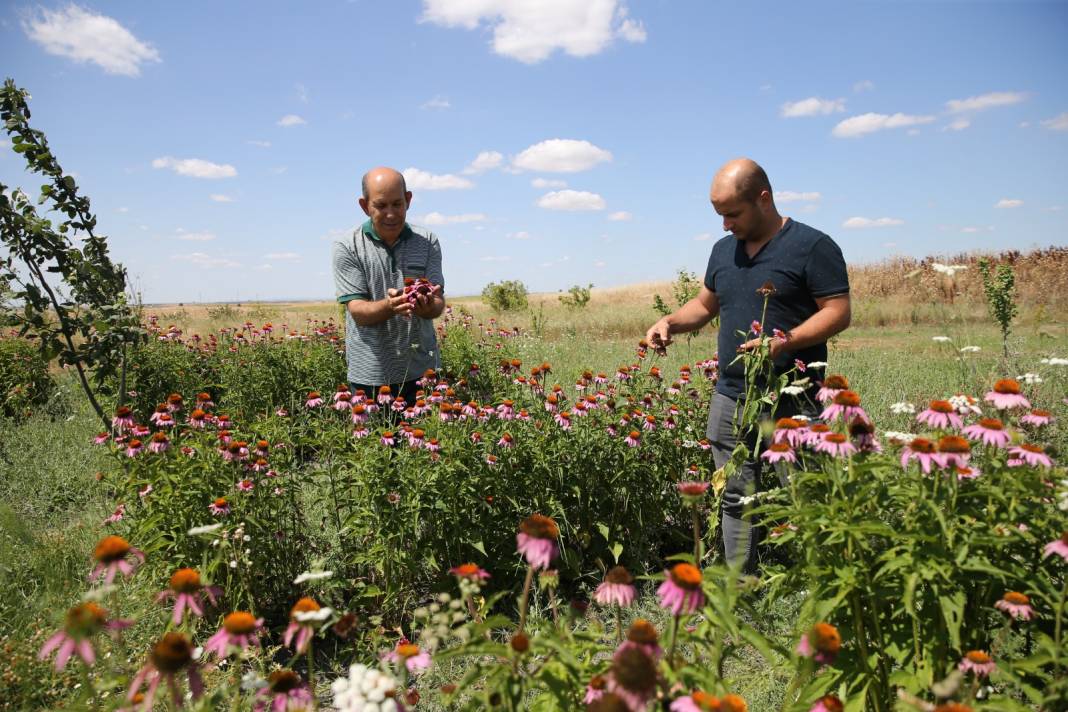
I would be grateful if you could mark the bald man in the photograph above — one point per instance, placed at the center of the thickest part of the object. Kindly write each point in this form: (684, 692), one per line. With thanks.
(810, 304)
(388, 340)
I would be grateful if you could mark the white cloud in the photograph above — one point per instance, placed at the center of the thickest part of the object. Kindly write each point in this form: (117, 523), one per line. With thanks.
(194, 236)
(260, 144)
(572, 200)
(279, 170)
(620, 216)
(958, 124)
(494, 258)
(544, 183)
(196, 167)
(1008, 203)
(264, 267)
(531, 30)
(863, 85)
(792, 196)
(417, 179)
(1057, 123)
(484, 161)
(439, 219)
(201, 259)
(521, 235)
(871, 122)
(857, 223)
(813, 106)
(438, 102)
(703, 237)
(973, 229)
(561, 155)
(281, 256)
(291, 120)
(221, 198)
(85, 37)
(985, 101)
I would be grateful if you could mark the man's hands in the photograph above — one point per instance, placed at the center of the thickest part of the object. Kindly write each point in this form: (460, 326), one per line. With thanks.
(659, 335)
(398, 303)
(777, 345)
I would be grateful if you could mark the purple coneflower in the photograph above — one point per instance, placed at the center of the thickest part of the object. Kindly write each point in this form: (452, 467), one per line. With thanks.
(989, 431)
(953, 451)
(940, 414)
(1037, 418)
(303, 619)
(681, 591)
(922, 450)
(186, 589)
(198, 418)
(1058, 547)
(835, 445)
(159, 442)
(1006, 394)
(240, 629)
(123, 420)
(112, 554)
(342, 401)
(161, 409)
(1016, 605)
(387, 438)
(414, 659)
(779, 452)
(245, 485)
(101, 438)
(977, 661)
(536, 540)
(506, 441)
(314, 400)
(470, 572)
(284, 692)
(595, 689)
(220, 507)
(83, 622)
(491, 460)
(1027, 454)
(616, 589)
(844, 405)
(134, 447)
(385, 395)
(633, 677)
(633, 439)
(175, 402)
(117, 515)
(832, 385)
(563, 419)
(168, 657)
(643, 634)
(821, 643)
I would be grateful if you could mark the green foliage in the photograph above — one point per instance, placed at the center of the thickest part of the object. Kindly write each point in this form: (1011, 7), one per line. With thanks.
(1000, 290)
(577, 296)
(507, 295)
(685, 287)
(24, 379)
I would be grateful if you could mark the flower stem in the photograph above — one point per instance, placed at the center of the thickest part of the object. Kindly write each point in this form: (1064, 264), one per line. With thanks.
(696, 537)
(311, 671)
(524, 598)
(619, 623)
(674, 637)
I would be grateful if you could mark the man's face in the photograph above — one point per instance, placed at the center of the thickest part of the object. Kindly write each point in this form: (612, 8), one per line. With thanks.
(387, 206)
(741, 217)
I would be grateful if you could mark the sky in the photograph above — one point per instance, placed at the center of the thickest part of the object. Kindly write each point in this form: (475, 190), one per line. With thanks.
(557, 142)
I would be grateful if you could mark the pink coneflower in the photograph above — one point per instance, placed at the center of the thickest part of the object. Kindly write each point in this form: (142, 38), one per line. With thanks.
(977, 661)
(399, 405)
(506, 441)
(616, 589)
(491, 460)
(416, 437)
(284, 692)
(863, 434)
(595, 689)
(1027, 454)
(204, 401)
(1037, 418)
(990, 431)
(186, 589)
(844, 405)
(470, 572)
(236, 451)
(303, 619)
(168, 657)
(387, 439)
(782, 529)
(835, 445)
(821, 643)
(342, 393)
(161, 409)
(134, 447)
(779, 452)
(101, 438)
(117, 515)
(123, 420)
(633, 677)
(692, 492)
(563, 419)
(220, 507)
(922, 450)
(506, 410)
(681, 591)
(649, 423)
(1006, 394)
(175, 402)
(643, 634)
(827, 703)
(1016, 605)
(83, 622)
(240, 629)
(432, 445)
(112, 554)
(159, 442)
(245, 485)
(263, 448)
(385, 395)
(968, 473)
(940, 414)
(633, 439)
(342, 401)
(814, 433)
(536, 540)
(953, 451)
(260, 465)
(551, 403)
(144, 491)
(198, 418)
(414, 659)
(1058, 547)
(187, 451)
(832, 386)
(314, 400)
(701, 701)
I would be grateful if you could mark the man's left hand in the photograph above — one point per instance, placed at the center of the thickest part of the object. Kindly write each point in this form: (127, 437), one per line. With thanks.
(777, 345)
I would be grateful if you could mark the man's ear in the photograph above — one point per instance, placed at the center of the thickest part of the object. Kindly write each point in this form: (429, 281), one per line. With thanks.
(408, 199)
(366, 208)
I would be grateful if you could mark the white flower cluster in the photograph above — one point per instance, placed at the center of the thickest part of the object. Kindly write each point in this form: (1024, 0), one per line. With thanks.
(949, 270)
(366, 689)
(970, 349)
(965, 405)
(1031, 379)
(899, 437)
(941, 339)
(1055, 361)
(792, 390)
(1062, 497)
(903, 408)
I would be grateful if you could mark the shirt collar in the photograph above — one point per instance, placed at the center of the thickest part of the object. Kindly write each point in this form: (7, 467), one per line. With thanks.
(369, 230)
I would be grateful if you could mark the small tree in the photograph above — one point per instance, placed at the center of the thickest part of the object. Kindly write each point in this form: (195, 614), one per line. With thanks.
(1000, 289)
(509, 295)
(577, 296)
(683, 289)
(80, 315)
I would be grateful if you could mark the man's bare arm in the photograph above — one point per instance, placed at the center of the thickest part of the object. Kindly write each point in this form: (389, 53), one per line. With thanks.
(689, 317)
(831, 318)
(368, 313)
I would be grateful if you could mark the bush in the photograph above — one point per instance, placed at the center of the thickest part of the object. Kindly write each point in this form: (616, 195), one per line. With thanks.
(509, 295)
(24, 379)
(577, 296)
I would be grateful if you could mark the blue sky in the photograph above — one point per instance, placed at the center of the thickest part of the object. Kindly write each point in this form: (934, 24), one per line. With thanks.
(552, 141)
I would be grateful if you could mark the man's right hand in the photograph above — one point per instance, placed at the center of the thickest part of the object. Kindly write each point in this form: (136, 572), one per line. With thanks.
(398, 303)
(659, 335)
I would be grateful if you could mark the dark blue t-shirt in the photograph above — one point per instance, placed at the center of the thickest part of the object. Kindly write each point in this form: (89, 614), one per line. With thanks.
(801, 262)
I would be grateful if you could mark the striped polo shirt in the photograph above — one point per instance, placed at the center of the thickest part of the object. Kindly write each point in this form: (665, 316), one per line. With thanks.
(400, 348)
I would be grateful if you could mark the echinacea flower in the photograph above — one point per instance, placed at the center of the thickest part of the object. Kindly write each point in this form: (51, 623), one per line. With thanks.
(285, 692)
(1016, 605)
(1058, 547)
(953, 451)
(940, 414)
(506, 441)
(1027, 454)
(827, 703)
(844, 405)
(159, 442)
(644, 635)
(314, 400)
(305, 616)
(186, 589)
(779, 452)
(470, 572)
(595, 689)
(112, 554)
(633, 677)
(123, 420)
(1037, 418)
(239, 630)
(172, 654)
(198, 418)
(832, 385)
(633, 438)
(821, 643)
(415, 659)
(835, 445)
(922, 450)
(692, 492)
(1006, 394)
(989, 431)
(387, 438)
(681, 591)
(536, 540)
(134, 447)
(977, 661)
(616, 589)
(385, 395)
(245, 485)
(220, 507)
(83, 622)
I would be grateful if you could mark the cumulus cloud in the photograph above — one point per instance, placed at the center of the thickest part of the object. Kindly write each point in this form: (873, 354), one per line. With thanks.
(571, 200)
(531, 30)
(985, 101)
(439, 219)
(620, 216)
(958, 124)
(196, 167)
(281, 256)
(870, 123)
(858, 223)
(812, 106)
(83, 36)
(204, 260)
(291, 120)
(221, 198)
(1057, 123)
(484, 161)
(417, 179)
(1008, 203)
(792, 196)
(438, 103)
(546, 183)
(561, 155)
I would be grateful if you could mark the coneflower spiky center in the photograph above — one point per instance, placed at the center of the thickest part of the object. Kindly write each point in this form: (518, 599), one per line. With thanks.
(848, 398)
(836, 438)
(408, 650)
(540, 527)
(941, 406)
(922, 445)
(686, 576)
(643, 632)
(825, 638)
(185, 580)
(172, 653)
(620, 575)
(634, 670)
(1007, 386)
(283, 681)
(1037, 449)
(787, 424)
(85, 619)
(111, 548)
(239, 623)
(836, 382)
(1016, 598)
(991, 424)
(304, 605)
(954, 444)
(978, 656)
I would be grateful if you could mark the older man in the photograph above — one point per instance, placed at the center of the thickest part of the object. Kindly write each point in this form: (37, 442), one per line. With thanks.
(810, 304)
(389, 339)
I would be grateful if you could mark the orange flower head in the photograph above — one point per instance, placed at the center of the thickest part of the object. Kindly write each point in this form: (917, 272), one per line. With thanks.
(686, 576)
(283, 681)
(734, 703)
(787, 424)
(172, 653)
(185, 580)
(706, 702)
(979, 657)
(304, 605)
(836, 382)
(540, 527)
(825, 638)
(1016, 598)
(848, 398)
(239, 623)
(922, 445)
(954, 444)
(941, 406)
(111, 548)
(634, 671)
(642, 632)
(1007, 386)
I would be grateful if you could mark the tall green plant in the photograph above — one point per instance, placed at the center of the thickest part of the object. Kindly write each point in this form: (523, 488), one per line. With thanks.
(80, 315)
(1000, 290)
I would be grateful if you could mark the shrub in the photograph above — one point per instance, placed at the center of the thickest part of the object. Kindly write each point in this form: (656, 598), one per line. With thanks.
(24, 379)
(509, 295)
(577, 296)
